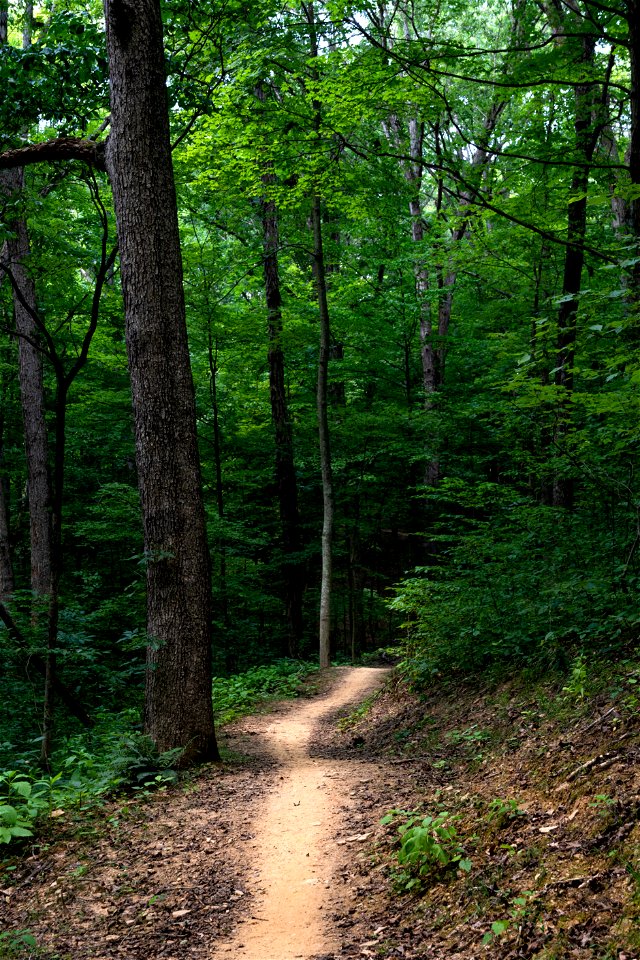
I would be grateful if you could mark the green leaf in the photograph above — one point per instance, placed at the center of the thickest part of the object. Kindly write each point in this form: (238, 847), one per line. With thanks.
(22, 787)
(21, 832)
(9, 814)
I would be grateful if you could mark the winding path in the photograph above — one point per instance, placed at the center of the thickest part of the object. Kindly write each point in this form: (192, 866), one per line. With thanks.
(291, 877)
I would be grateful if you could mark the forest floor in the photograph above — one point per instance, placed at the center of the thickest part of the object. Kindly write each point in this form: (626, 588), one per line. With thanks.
(280, 853)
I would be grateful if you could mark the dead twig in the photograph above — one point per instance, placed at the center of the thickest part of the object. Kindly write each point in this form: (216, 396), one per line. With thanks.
(598, 721)
(602, 761)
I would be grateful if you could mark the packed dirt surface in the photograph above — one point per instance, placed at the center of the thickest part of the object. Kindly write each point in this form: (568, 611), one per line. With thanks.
(293, 877)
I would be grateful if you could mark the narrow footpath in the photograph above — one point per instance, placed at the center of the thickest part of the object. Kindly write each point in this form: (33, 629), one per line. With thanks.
(292, 875)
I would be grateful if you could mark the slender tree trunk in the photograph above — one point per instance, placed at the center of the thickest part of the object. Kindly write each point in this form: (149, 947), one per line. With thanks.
(322, 389)
(633, 19)
(53, 612)
(6, 568)
(27, 24)
(178, 710)
(324, 437)
(217, 460)
(32, 397)
(285, 470)
(585, 142)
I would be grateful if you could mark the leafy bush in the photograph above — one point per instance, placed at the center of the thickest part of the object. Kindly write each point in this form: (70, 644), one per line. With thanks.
(17, 943)
(429, 845)
(22, 800)
(512, 581)
(89, 770)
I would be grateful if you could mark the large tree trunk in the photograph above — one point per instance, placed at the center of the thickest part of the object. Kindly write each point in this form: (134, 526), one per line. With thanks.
(178, 690)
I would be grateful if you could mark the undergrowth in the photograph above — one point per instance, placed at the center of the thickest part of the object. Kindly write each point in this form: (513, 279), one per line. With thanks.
(114, 757)
(535, 842)
(238, 695)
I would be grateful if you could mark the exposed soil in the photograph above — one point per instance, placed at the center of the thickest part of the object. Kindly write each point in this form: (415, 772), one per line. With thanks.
(280, 853)
(292, 881)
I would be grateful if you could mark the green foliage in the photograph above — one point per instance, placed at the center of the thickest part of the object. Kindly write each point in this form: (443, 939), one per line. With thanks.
(16, 943)
(488, 573)
(502, 812)
(576, 687)
(520, 912)
(91, 768)
(22, 800)
(61, 76)
(514, 582)
(239, 694)
(429, 846)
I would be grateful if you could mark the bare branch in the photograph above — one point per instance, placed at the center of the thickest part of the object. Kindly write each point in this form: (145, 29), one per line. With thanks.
(52, 151)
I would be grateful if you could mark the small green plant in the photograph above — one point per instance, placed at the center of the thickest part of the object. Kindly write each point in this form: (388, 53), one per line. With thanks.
(518, 916)
(22, 800)
(13, 824)
(428, 846)
(471, 736)
(603, 804)
(501, 812)
(576, 686)
(15, 943)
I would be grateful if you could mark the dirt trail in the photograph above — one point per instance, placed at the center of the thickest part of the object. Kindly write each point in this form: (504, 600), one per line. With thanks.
(291, 878)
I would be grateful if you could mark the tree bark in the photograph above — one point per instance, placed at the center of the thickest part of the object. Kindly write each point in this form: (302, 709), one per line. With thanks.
(322, 388)
(178, 710)
(217, 461)
(52, 151)
(633, 19)
(285, 470)
(586, 136)
(6, 567)
(324, 436)
(32, 395)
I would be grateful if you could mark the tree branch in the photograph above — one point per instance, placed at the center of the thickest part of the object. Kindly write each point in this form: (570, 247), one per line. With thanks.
(52, 151)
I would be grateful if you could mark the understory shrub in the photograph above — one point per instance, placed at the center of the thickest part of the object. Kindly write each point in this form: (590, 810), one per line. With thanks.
(429, 845)
(513, 582)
